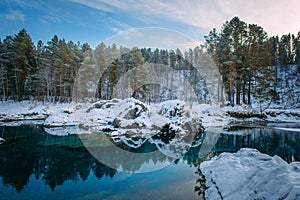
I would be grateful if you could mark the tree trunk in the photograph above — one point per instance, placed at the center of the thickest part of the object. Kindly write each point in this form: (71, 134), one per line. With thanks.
(222, 93)
(249, 91)
(219, 75)
(231, 84)
(238, 91)
(244, 91)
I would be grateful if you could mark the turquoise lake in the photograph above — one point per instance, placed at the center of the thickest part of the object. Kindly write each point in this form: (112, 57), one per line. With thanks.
(37, 165)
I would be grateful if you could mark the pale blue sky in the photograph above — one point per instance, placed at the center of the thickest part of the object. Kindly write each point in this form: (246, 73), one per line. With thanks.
(94, 21)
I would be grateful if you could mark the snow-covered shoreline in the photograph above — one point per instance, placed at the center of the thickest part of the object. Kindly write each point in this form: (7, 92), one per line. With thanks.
(115, 115)
(66, 114)
(246, 174)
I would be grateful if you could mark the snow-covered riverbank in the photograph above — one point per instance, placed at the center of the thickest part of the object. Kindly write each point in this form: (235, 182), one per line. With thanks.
(101, 114)
(249, 174)
(115, 115)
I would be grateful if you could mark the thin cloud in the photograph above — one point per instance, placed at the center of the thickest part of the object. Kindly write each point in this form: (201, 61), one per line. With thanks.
(276, 16)
(94, 4)
(15, 15)
(152, 38)
(50, 18)
(130, 34)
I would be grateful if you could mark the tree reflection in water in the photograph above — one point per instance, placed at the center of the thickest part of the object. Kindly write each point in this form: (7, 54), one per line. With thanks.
(26, 153)
(30, 152)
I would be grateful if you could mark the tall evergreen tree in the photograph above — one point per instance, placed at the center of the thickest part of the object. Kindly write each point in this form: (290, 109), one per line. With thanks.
(297, 49)
(25, 64)
(212, 41)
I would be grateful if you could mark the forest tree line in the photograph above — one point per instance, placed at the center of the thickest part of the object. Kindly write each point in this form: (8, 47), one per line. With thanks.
(247, 63)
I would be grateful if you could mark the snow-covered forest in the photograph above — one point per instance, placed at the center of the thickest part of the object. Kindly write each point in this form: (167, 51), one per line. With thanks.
(239, 64)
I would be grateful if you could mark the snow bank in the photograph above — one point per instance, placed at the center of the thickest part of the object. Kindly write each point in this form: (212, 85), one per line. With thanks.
(123, 117)
(288, 129)
(130, 116)
(249, 174)
(66, 130)
(245, 115)
(279, 115)
(14, 113)
(212, 115)
(17, 113)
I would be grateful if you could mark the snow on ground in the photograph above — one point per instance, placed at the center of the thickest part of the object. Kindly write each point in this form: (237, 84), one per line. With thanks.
(279, 115)
(103, 113)
(129, 114)
(171, 125)
(249, 174)
(288, 129)
(217, 116)
(212, 115)
(16, 113)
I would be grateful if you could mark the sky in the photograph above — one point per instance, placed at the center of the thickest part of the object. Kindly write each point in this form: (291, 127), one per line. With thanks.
(94, 21)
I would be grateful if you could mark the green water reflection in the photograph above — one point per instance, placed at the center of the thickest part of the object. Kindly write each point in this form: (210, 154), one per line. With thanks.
(36, 165)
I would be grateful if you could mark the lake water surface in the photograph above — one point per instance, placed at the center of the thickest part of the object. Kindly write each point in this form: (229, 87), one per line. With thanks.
(36, 165)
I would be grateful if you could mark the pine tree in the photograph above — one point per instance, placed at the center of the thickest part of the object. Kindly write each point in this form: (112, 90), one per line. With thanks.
(274, 41)
(52, 58)
(87, 76)
(260, 67)
(172, 58)
(238, 34)
(179, 59)
(42, 86)
(258, 57)
(4, 61)
(297, 49)
(225, 61)
(25, 64)
(212, 41)
(285, 50)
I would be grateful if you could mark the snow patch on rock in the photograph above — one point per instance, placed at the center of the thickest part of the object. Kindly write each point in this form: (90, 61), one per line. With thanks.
(2, 140)
(249, 174)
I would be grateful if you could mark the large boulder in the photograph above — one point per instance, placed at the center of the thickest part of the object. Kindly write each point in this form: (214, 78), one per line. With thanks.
(249, 174)
(134, 114)
(131, 114)
(170, 125)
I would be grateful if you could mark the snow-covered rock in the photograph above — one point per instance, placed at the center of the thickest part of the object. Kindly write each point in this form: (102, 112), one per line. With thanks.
(119, 117)
(249, 174)
(170, 125)
(133, 114)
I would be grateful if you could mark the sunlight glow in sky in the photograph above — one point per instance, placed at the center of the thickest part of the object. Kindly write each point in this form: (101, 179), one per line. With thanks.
(94, 21)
